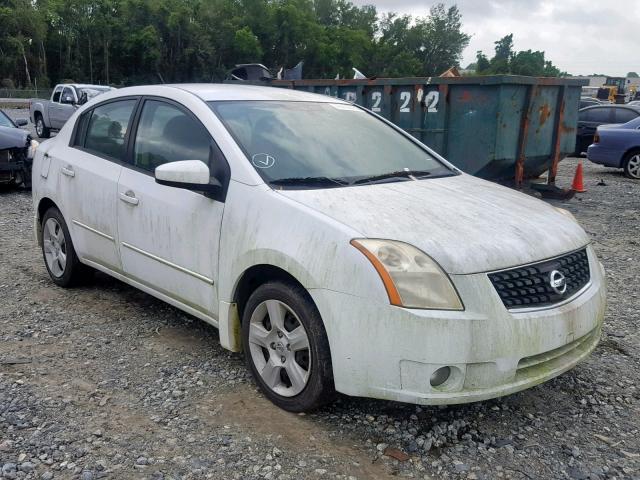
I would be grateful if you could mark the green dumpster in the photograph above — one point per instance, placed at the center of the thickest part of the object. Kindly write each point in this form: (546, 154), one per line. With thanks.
(495, 127)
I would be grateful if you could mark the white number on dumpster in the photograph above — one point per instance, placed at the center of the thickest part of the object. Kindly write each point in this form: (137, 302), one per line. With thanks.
(405, 98)
(431, 101)
(376, 97)
(350, 97)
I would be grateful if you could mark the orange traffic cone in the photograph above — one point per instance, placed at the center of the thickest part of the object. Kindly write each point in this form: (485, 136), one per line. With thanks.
(578, 184)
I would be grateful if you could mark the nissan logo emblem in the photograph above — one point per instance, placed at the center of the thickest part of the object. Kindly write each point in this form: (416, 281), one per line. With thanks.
(558, 282)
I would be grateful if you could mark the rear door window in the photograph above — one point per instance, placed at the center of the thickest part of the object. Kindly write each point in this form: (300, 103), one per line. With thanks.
(107, 129)
(598, 115)
(624, 115)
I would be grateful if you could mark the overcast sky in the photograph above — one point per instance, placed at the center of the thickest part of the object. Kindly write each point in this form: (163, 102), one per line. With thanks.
(579, 36)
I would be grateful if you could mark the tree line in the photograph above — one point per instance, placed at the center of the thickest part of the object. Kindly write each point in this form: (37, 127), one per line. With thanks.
(507, 61)
(127, 42)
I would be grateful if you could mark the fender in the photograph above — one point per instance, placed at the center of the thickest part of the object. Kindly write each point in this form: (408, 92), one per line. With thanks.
(229, 322)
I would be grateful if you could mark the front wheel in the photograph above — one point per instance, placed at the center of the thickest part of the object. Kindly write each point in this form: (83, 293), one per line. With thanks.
(286, 347)
(632, 165)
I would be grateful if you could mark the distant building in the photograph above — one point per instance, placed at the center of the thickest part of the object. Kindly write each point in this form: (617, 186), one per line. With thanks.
(593, 81)
(631, 85)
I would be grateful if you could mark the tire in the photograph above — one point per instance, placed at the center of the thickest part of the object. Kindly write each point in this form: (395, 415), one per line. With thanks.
(41, 129)
(296, 379)
(582, 144)
(631, 165)
(58, 253)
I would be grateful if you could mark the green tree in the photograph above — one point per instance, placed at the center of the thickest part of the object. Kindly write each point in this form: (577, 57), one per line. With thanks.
(246, 46)
(507, 61)
(632, 75)
(500, 63)
(124, 42)
(441, 40)
(482, 63)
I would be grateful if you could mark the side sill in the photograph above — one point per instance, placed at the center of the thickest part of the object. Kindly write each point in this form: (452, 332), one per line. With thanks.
(151, 291)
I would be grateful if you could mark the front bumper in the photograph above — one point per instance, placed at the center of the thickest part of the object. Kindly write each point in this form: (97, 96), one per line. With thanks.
(386, 352)
(12, 166)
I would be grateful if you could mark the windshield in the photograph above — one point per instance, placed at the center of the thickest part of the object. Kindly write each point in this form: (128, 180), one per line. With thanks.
(311, 141)
(4, 120)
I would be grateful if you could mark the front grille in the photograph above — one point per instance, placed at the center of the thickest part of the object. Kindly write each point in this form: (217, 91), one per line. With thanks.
(531, 286)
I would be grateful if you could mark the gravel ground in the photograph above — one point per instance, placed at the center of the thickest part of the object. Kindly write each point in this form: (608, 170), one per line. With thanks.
(105, 381)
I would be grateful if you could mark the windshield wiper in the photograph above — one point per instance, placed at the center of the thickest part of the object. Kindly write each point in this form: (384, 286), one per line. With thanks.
(309, 181)
(412, 174)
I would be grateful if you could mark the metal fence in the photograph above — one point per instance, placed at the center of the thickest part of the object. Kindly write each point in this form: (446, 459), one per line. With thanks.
(20, 93)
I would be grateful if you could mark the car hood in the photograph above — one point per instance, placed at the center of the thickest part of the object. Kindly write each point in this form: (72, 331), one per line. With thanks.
(466, 224)
(12, 138)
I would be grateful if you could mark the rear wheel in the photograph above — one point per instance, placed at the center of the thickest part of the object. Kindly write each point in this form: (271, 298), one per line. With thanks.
(286, 347)
(57, 250)
(632, 165)
(41, 128)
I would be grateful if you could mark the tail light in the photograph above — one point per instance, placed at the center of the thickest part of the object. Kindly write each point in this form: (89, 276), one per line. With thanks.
(596, 138)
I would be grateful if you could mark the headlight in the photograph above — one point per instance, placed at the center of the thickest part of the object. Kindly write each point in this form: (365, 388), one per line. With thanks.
(33, 146)
(412, 278)
(566, 213)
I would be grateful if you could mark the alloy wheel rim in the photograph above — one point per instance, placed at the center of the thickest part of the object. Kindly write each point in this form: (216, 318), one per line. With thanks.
(279, 348)
(55, 247)
(634, 166)
(39, 128)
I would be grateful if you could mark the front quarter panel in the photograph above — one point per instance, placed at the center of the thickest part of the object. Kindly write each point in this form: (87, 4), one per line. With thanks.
(260, 227)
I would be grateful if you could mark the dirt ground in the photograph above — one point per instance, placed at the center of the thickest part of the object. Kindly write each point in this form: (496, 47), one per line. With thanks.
(104, 381)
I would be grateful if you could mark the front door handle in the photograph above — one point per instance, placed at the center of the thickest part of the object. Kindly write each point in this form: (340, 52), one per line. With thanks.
(68, 171)
(129, 197)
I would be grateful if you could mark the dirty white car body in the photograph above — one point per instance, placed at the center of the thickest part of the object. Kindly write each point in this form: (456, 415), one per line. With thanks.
(195, 252)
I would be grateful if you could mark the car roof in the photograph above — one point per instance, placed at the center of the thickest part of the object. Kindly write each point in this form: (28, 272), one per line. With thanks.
(82, 85)
(210, 92)
(635, 108)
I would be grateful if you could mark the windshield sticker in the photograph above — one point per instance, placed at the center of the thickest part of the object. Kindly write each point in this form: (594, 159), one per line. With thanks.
(263, 160)
(340, 106)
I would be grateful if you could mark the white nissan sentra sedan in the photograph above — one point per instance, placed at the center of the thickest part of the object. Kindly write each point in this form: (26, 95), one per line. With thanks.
(335, 250)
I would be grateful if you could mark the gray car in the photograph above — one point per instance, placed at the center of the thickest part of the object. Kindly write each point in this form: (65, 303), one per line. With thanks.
(48, 115)
(16, 152)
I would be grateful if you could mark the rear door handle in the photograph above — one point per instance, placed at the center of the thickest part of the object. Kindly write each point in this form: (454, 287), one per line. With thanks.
(129, 197)
(68, 171)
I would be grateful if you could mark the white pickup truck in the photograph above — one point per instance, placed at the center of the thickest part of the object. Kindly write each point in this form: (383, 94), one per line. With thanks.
(48, 115)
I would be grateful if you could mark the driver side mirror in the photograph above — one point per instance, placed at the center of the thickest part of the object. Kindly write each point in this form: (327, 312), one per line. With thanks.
(21, 122)
(190, 175)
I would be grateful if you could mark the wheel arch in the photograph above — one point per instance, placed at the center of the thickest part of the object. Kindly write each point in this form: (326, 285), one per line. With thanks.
(44, 204)
(255, 276)
(627, 153)
(250, 278)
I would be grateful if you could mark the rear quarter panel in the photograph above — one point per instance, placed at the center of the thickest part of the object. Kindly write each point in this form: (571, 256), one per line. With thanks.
(618, 142)
(45, 181)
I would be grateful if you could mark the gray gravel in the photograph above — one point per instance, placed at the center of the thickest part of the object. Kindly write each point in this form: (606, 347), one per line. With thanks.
(105, 381)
